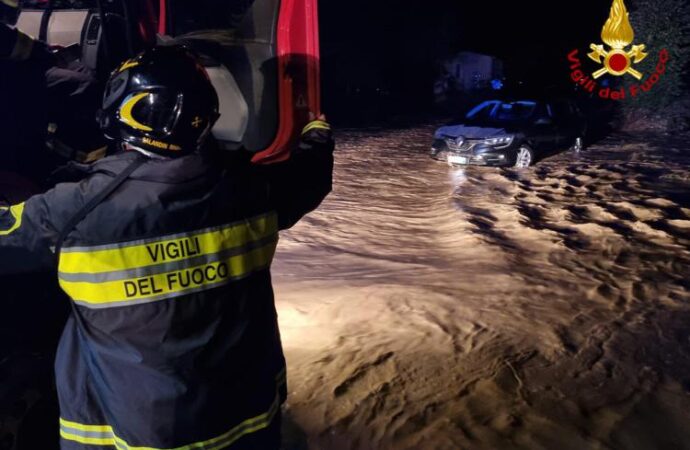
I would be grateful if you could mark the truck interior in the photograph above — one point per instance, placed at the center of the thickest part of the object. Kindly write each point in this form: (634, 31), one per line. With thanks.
(261, 55)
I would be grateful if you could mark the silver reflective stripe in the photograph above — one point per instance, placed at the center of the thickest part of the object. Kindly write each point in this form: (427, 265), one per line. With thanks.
(183, 264)
(87, 434)
(162, 238)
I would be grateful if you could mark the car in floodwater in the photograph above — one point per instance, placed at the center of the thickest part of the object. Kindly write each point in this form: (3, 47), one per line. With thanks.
(511, 133)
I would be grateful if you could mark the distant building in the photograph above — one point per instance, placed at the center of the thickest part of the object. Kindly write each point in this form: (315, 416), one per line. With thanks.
(467, 72)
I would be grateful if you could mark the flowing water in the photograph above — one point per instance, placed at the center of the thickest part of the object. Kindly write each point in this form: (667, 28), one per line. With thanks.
(429, 307)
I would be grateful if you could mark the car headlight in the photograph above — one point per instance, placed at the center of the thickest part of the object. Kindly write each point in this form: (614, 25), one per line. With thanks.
(499, 142)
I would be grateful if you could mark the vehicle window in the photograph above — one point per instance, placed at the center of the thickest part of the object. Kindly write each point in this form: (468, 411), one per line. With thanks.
(497, 111)
(516, 111)
(483, 110)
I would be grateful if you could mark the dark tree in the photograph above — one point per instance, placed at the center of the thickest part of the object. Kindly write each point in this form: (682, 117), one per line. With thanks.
(661, 24)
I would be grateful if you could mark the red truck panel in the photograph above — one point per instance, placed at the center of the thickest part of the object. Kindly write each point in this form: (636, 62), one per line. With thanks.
(298, 72)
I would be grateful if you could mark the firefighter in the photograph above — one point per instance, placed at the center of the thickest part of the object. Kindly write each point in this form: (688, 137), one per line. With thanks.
(27, 396)
(165, 250)
(41, 87)
(22, 87)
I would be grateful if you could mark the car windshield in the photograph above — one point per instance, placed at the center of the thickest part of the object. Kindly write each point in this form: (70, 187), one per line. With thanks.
(498, 111)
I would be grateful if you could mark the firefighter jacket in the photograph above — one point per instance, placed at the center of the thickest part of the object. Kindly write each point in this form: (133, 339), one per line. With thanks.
(172, 342)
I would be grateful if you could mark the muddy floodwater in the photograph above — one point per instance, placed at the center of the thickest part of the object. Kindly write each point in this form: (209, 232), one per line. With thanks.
(429, 307)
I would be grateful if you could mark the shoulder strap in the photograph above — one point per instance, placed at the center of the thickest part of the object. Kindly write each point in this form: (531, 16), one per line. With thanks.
(96, 200)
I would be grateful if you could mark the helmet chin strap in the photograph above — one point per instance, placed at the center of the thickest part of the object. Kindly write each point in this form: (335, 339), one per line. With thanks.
(129, 147)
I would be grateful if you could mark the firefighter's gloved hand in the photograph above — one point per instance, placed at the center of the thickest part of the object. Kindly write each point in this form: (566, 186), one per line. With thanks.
(317, 135)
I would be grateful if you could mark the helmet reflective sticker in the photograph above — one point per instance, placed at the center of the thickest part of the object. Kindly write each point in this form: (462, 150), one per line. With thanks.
(126, 111)
(128, 65)
(155, 111)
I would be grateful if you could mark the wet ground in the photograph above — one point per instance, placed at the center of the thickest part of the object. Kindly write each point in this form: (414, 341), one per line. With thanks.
(429, 307)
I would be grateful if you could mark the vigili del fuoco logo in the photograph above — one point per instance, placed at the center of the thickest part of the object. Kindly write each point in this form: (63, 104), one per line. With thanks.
(617, 57)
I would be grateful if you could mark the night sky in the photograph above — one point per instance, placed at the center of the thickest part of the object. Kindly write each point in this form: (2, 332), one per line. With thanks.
(396, 44)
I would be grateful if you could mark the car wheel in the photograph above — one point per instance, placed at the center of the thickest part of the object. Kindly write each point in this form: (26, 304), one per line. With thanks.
(578, 145)
(524, 157)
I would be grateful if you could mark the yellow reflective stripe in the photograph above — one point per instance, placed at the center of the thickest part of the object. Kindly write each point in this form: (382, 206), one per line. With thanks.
(225, 440)
(154, 252)
(320, 124)
(86, 440)
(126, 112)
(17, 212)
(82, 427)
(11, 3)
(128, 65)
(22, 48)
(173, 283)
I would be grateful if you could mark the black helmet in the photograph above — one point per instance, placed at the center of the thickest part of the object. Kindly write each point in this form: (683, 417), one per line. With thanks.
(161, 101)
